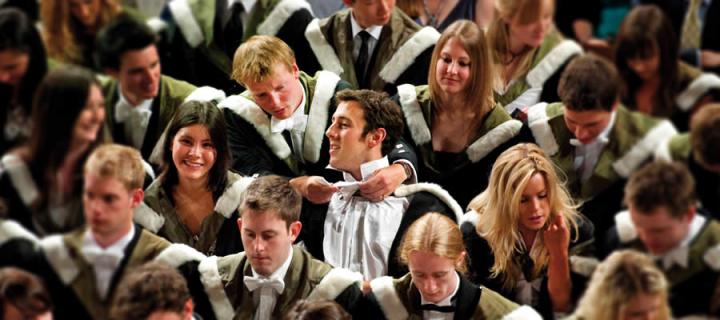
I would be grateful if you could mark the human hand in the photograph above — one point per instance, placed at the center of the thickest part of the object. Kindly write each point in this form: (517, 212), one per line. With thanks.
(314, 188)
(383, 183)
(557, 236)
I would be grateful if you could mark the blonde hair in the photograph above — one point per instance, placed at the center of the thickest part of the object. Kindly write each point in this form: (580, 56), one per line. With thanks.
(437, 234)
(526, 12)
(256, 58)
(480, 89)
(498, 209)
(616, 281)
(58, 33)
(118, 162)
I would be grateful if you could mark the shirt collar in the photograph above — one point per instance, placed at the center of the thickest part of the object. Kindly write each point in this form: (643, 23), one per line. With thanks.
(367, 169)
(247, 4)
(602, 138)
(145, 104)
(448, 300)
(280, 272)
(374, 30)
(679, 254)
(118, 247)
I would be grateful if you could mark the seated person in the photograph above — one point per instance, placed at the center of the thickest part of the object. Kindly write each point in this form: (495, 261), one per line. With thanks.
(41, 181)
(140, 100)
(265, 281)
(524, 235)
(663, 221)
(435, 287)
(698, 149)
(152, 291)
(361, 235)
(371, 45)
(195, 199)
(317, 310)
(23, 296)
(593, 139)
(626, 285)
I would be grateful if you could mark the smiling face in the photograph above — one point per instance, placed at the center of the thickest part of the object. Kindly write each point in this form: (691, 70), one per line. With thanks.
(90, 119)
(369, 13)
(453, 67)
(433, 275)
(193, 153)
(348, 147)
(533, 33)
(139, 74)
(267, 239)
(534, 208)
(279, 94)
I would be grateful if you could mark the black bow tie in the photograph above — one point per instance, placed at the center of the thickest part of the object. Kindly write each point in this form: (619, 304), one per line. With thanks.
(434, 307)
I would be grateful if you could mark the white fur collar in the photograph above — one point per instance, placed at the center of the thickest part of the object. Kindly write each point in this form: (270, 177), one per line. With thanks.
(413, 114)
(10, 229)
(334, 283)
(663, 150)
(583, 265)
(405, 56)
(712, 257)
(696, 90)
(384, 290)
(21, 178)
(471, 217)
(148, 218)
(324, 53)
(643, 149)
(58, 256)
(189, 27)
(523, 313)
(178, 254)
(252, 113)
(279, 15)
(232, 197)
(625, 227)
(318, 115)
(541, 130)
(552, 61)
(206, 94)
(434, 189)
(493, 139)
(214, 288)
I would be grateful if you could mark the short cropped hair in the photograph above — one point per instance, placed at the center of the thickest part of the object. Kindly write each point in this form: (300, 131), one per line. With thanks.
(23, 290)
(151, 287)
(118, 162)
(705, 135)
(121, 35)
(589, 82)
(317, 310)
(273, 193)
(661, 184)
(256, 58)
(380, 112)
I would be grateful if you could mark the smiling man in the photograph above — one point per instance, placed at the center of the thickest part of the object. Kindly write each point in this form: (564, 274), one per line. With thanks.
(593, 139)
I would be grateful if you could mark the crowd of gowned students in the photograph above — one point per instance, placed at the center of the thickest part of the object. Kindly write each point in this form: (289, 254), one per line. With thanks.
(470, 162)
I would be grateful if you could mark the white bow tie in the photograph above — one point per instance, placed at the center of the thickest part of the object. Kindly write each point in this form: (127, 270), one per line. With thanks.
(99, 258)
(678, 256)
(132, 115)
(294, 123)
(253, 283)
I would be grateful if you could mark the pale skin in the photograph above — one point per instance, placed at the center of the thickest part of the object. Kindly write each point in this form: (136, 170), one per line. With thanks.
(376, 188)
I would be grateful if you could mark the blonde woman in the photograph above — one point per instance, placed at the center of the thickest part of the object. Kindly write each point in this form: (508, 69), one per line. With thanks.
(522, 231)
(529, 53)
(435, 287)
(454, 123)
(627, 285)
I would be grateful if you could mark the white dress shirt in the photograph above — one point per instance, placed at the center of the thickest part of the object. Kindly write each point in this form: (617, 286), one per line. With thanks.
(374, 32)
(134, 118)
(248, 6)
(435, 315)
(358, 232)
(265, 298)
(296, 124)
(587, 155)
(104, 261)
(679, 254)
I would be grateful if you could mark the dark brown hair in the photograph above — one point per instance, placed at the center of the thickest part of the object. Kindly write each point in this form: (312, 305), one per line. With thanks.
(151, 287)
(25, 291)
(273, 193)
(589, 83)
(380, 112)
(661, 184)
(317, 310)
(705, 135)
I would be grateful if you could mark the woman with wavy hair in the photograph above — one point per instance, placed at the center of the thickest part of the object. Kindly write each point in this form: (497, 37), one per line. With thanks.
(523, 229)
(627, 285)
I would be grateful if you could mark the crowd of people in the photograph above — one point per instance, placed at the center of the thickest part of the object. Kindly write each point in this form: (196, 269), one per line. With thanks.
(366, 159)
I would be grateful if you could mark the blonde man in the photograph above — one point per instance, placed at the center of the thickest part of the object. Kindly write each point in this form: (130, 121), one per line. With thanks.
(278, 125)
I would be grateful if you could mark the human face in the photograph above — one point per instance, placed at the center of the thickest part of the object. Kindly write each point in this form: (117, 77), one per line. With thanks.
(108, 207)
(587, 125)
(453, 67)
(193, 153)
(267, 239)
(10, 312)
(370, 13)
(13, 66)
(86, 11)
(90, 119)
(533, 33)
(645, 68)
(432, 275)
(168, 315)
(279, 94)
(534, 204)
(348, 147)
(642, 307)
(658, 230)
(139, 74)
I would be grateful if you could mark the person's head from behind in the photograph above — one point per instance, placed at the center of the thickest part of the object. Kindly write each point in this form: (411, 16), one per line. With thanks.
(113, 179)
(153, 291)
(22, 55)
(705, 137)
(524, 22)
(68, 113)
(365, 126)
(661, 200)
(126, 51)
(269, 222)
(461, 65)
(370, 13)
(434, 252)
(194, 147)
(317, 310)
(266, 66)
(589, 90)
(627, 285)
(23, 296)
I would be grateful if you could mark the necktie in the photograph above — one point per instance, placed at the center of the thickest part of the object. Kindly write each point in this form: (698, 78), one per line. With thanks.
(233, 31)
(690, 36)
(266, 286)
(362, 59)
(136, 121)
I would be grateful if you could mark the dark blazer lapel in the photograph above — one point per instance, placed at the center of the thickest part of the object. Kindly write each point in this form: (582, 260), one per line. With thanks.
(83, 285)
(153, 129)
(235, 286)
(466, 300)
(296, 286)
(128, 255)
